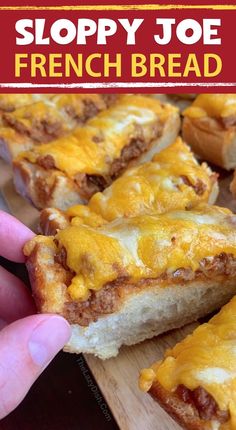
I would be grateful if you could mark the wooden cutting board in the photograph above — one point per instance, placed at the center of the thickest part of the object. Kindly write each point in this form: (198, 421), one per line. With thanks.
(117, 377)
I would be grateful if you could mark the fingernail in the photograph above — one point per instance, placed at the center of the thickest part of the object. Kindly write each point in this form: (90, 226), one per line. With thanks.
(47, 339)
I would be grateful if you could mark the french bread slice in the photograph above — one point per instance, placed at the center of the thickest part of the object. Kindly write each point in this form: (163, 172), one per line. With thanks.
(172, 180)
(209, 127)
(47, 120)
(130, 132)
(101, 279)
(195, 382)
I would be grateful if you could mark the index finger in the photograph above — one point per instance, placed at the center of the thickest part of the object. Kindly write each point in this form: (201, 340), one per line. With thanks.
(13, 236)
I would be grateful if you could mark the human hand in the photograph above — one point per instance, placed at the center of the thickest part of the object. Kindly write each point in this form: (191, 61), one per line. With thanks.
(28, 342)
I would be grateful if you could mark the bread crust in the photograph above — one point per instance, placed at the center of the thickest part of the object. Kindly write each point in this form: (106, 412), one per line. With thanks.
(211, 140)
(10, 148)
(61, 191)
(148, 308)
(185, 414)
(45, 187)
(51, 220)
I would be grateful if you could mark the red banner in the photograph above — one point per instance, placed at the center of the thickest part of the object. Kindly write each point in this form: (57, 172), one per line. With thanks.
(127, 47)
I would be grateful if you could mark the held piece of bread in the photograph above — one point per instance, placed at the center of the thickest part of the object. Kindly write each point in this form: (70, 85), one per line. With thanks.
(47, 120)
(195, 383)
(209, 127)
(71, 169)
(134, 278)
(172, 180)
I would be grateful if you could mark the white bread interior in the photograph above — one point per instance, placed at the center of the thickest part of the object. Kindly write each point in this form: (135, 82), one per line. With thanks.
(11, 147)
(141, 314)
(149, 313)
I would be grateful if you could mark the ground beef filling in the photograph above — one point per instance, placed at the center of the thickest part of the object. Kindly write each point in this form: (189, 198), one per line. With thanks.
(46, 161)
(229, 121)
(137, 146)
(91, 184)
(46, 129)
(43, 130)
(130, 152)
(203, 403)
(110, 99)
(199, 187)
(108, 299)
(89, 110)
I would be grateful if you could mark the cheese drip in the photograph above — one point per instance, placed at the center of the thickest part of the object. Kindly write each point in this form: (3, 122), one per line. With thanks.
(206, 358)
(145, 247)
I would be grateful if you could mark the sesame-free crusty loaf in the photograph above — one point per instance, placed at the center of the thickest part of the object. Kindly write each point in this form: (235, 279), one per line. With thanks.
(209, 127)
(195, 382)
(46, 120)
(173, 179)
(134, 278)
(71, 169)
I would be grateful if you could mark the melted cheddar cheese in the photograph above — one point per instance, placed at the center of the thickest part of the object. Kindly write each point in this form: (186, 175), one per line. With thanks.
(91, 149)
(157, 186)
(81, 214)
(146, 246)
(78, 102)
(9, 102)
(44, 112)
(59, 114)
(212, 105)
(207, 358)
(9, 134)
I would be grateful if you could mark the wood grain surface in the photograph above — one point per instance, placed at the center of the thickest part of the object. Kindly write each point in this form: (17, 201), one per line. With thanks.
(117, 377)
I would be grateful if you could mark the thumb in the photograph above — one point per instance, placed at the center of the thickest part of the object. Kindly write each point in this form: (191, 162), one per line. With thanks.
(26, 347)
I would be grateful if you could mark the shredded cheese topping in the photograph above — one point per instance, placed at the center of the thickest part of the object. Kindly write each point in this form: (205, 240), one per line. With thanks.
(212, 105)
(92, 148)
(10, 102)
(145, 246)
(207, 358)
(60, 113)
(166, 183)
